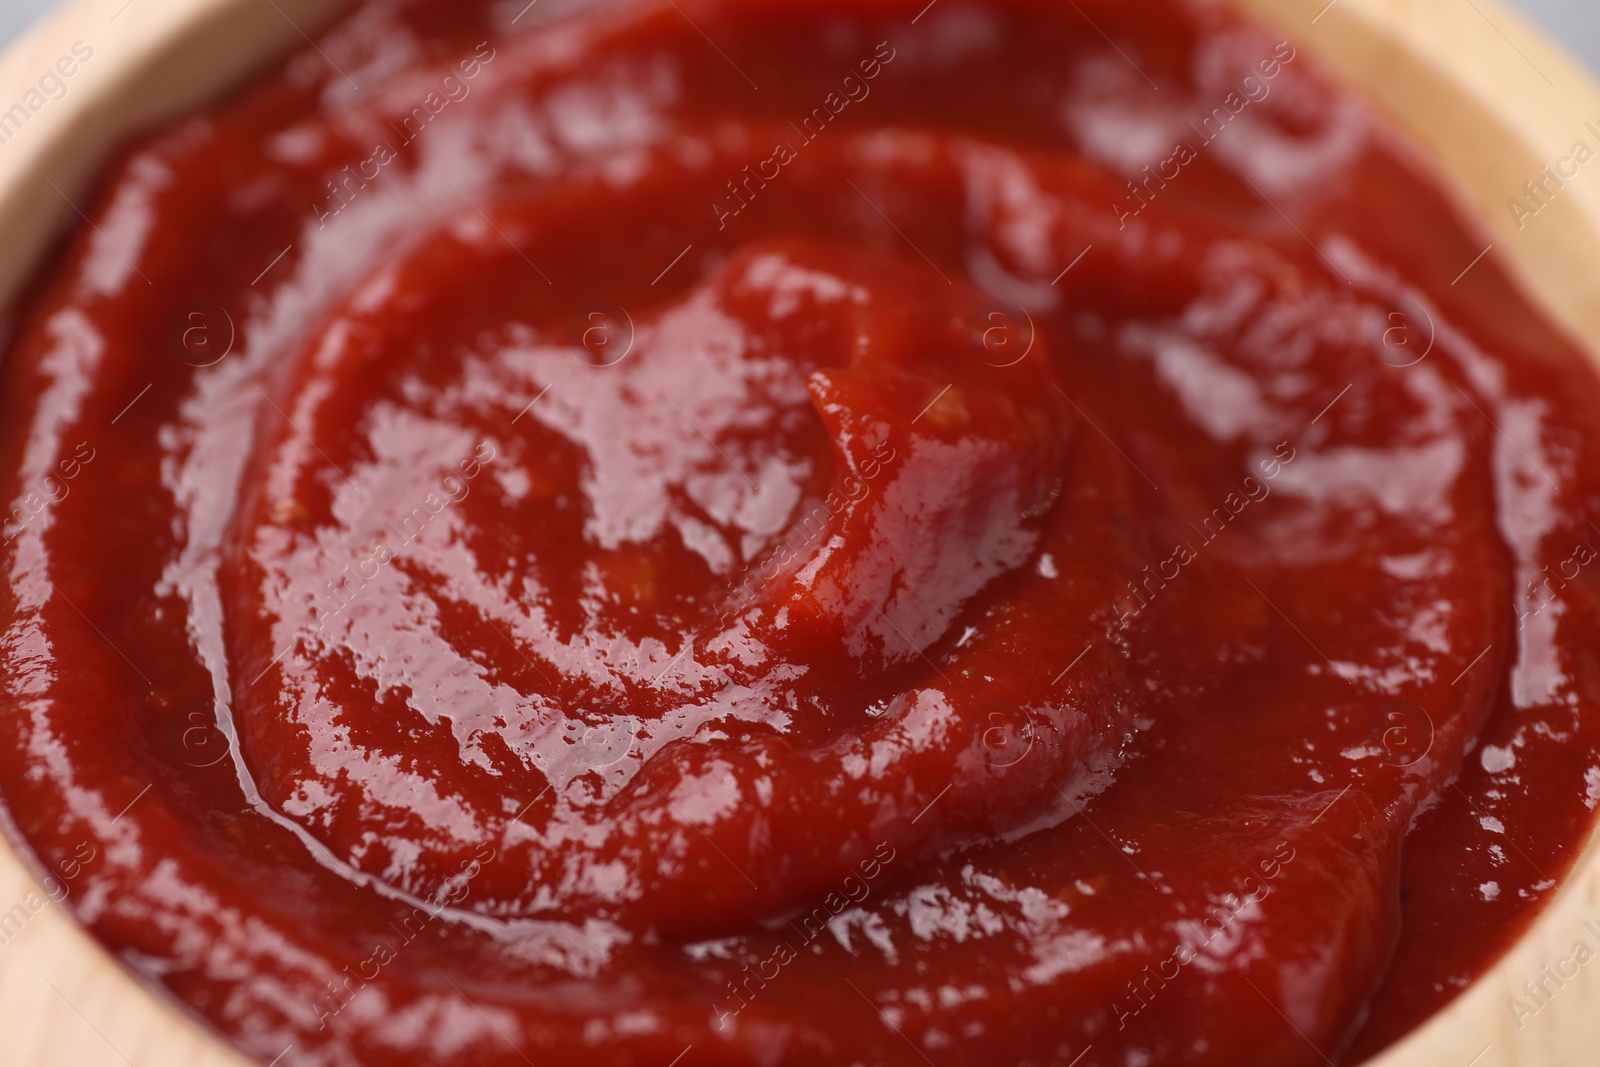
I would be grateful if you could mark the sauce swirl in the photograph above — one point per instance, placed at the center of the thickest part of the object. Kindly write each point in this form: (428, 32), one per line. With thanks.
(801, 534)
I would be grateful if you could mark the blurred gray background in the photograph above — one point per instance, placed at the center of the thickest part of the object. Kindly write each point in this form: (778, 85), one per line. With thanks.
(1576, 23)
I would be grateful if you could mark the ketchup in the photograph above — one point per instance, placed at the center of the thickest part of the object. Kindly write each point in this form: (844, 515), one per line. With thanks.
(845, 532)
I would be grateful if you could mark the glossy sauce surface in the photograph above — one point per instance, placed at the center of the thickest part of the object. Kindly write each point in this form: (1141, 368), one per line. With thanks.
(795, 534)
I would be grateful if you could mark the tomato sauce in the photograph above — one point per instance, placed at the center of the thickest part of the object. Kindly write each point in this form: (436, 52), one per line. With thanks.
(846, 532)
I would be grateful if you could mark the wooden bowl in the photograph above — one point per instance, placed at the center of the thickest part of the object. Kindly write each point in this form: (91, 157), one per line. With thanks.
(1486, 96)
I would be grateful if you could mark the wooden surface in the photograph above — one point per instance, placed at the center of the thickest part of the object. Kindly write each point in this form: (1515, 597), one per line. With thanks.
(1490, 99)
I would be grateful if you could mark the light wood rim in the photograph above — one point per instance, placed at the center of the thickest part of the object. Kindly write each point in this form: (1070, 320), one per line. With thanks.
(1490, 99)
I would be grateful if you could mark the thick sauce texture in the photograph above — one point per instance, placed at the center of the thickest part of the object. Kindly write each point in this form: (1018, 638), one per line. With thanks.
(818, 533)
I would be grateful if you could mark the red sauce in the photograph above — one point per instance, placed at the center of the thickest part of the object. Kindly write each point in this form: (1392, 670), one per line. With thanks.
(764, 534)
